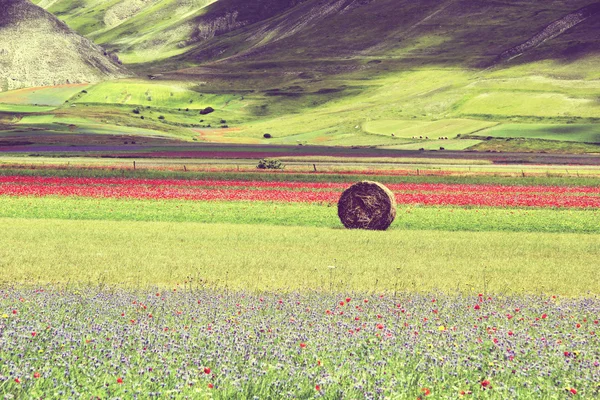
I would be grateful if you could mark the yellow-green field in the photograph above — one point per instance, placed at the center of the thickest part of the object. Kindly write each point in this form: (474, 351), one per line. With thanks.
(142, 254)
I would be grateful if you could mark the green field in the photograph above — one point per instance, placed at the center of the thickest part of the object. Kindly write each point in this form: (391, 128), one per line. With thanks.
(433, 130)
(148, 93)
(24, 108)
(450, 219)
(43, 96)
(587, 133)
(291, 258)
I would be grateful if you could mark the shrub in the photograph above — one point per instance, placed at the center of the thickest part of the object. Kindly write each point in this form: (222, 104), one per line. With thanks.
(267, 136)
(161, 117)
(269, 164)
(136, 110)
(207, 110)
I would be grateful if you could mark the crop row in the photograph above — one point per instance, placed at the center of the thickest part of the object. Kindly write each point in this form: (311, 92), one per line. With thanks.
(205, 190)
(429, 187)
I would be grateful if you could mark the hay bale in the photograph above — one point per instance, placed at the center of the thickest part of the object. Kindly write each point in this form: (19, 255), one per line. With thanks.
(367, 205)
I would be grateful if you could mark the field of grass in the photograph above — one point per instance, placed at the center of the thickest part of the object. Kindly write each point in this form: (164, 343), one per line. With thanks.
(149, 93)
(587, 133)
(409, 218)
(24, 108)
(433, 130)
(42, 96)
(265, 257)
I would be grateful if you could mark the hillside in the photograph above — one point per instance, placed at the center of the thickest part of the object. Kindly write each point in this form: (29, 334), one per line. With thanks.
(470, 33)
(36, 49)
(509, 75)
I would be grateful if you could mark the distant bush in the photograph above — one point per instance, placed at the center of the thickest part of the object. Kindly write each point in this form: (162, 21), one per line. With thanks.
(161, 117)
(136, 110)
(269, 164)
(207, 110)
(267, 136)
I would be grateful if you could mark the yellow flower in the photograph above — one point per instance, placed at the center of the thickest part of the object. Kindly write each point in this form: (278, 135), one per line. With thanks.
(442, 328)
(4, 315)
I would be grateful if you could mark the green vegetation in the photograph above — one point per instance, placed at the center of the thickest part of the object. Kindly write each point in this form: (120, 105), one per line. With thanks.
(157, 95)
(24, 108)
(431, 129)
(291, 258)
(43, 96)
(587, 133)
(292, 214)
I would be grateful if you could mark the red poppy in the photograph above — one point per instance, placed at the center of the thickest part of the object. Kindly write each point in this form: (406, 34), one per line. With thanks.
(17, 380)
(476, 307)
(426, 391)
(33, 334)
(348, 299)
(206, 370)
(36, 375)
(379, 326)
(303, 345)
(119, 380)
(210, 386)
(317, 388)
(485, 383)
(573, 391)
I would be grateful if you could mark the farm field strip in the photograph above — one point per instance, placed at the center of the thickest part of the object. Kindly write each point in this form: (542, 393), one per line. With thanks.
(191, 341)
(445, 218)
(207, 190)
(260, 257)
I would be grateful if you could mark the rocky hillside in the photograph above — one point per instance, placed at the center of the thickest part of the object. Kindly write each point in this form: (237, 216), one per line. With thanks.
(36, 49)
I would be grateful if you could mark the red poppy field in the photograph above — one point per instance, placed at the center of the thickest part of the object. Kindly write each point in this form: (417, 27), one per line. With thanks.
(303, 192)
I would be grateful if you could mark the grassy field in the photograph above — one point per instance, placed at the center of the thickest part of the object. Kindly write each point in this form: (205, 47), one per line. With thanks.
(148, 93)
(450, 219)
(143, 254)
(587, 133)
(43, 96)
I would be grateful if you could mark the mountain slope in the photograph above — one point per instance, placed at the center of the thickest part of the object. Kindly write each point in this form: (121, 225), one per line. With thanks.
(36, 49)
(457, 32)
(473, 33)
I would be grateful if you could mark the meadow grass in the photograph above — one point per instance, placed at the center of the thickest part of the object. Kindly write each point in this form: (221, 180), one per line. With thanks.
(24, 108)
(410, 128)
(258, 257)
(298, 214)
(43, 96)
(588, 133)
(148, 93)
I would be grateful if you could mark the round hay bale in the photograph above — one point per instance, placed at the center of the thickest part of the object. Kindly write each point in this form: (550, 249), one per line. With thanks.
(367, 205)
